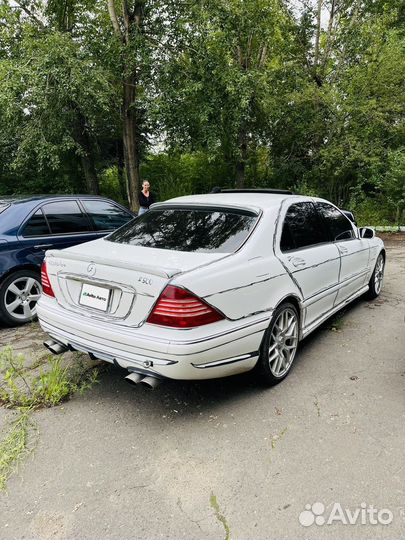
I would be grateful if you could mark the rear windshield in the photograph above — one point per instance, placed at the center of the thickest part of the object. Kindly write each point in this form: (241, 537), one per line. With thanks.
(188, 229)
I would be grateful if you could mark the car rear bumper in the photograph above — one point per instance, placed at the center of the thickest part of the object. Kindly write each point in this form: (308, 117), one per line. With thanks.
(216, 350)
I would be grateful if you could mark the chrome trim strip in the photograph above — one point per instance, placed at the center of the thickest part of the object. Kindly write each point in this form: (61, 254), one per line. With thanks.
(324, 316)
(244, 286)
(80, 309)
(316, 265)
(226, 361)
(333, 288)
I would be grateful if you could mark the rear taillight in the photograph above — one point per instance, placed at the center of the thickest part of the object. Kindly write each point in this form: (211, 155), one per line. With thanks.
(46, 284)
(179, 308)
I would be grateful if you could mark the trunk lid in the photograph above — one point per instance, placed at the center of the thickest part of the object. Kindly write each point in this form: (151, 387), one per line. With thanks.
(116, 282)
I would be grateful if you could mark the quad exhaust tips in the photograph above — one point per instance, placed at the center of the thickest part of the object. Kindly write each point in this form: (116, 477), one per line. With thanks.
(150, 382)
(136, 378)
(133, 378)
(54, 347)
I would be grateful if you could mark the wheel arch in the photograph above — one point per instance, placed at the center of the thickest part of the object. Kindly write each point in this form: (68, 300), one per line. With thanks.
(296, 302)
(10, 271)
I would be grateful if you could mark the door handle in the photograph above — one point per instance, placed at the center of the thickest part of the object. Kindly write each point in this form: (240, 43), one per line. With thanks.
(43, 246)
(343, 249)
(297, 262)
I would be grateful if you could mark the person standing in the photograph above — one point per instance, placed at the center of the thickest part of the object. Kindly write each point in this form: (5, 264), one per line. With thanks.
(146, 198)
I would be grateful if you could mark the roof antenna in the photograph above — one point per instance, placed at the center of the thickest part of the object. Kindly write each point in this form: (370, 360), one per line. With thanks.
(216, 189)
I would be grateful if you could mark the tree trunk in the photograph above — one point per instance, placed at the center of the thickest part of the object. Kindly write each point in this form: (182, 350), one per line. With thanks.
(241, 162)
(317, 35)
(82, 138)
(90, 174)
(124, 27)
(120, 170)
(131, 143)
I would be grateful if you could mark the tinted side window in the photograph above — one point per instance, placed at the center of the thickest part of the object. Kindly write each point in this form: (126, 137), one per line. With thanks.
(339, 226)
(106, 216)
(65, 217)
(36, 225)
(302, 227)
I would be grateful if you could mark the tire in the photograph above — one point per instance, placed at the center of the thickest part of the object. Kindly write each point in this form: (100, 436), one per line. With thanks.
(19, 293)
(279, 345)
(377, 278)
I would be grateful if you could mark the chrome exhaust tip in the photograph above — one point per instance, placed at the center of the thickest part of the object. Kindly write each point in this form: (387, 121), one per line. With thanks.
(150, 382)
(133, 378)
(54, 347)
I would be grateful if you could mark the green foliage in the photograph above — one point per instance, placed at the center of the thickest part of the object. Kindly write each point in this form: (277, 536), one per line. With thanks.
(111, 185)
(177, 174)
(14, 445)
(228, 91)
(53, 385)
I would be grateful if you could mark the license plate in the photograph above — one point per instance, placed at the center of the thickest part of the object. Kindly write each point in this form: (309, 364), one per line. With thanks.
(95, 297)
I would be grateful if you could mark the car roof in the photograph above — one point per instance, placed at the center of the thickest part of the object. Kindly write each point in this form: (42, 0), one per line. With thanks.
(241, 200)
(19, 199)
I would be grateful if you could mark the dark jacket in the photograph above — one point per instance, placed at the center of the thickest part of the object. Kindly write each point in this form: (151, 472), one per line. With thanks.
(145, 202)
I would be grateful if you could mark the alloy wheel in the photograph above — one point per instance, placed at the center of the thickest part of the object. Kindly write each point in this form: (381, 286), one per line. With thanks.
(379, 274)
(21, 298)
(283, 342)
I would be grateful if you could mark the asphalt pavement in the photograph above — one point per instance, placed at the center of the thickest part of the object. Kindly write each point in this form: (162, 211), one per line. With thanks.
(227, 459)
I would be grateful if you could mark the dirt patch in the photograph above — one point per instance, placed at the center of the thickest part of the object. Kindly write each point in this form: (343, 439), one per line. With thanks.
(392, 239)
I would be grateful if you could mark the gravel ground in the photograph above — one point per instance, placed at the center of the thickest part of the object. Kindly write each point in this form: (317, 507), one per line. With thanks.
(226, 459)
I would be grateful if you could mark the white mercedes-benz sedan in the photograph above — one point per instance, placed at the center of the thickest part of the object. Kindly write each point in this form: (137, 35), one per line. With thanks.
(207, 286)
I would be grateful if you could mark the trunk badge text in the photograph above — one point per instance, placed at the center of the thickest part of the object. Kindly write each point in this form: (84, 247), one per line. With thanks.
(145, 280)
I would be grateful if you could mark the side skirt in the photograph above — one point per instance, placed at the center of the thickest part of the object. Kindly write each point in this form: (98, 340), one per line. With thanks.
(310, 328)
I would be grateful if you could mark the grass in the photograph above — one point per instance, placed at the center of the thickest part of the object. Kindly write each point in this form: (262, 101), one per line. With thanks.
(220, 517)
(337, 322)
(14, 445)
(277, 438)
(53, 384)
(44, 383)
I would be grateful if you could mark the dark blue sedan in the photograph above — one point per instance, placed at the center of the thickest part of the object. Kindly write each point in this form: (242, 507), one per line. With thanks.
(29, 226)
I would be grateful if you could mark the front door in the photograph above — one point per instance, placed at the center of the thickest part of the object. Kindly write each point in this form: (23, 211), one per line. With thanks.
(354, 251)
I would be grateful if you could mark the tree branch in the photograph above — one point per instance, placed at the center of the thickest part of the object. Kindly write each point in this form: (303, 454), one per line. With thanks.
(318, 33)
(30, 13)
(114, 18)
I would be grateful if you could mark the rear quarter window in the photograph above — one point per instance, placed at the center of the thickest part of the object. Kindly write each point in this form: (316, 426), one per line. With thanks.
(208, 230)
(36, 225)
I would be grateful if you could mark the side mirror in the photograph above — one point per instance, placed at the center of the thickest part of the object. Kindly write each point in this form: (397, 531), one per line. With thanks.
(366, 232)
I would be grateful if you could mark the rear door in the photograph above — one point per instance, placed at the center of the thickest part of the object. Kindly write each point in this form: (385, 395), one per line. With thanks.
(354, 251)
(54, 225)
(310, 258)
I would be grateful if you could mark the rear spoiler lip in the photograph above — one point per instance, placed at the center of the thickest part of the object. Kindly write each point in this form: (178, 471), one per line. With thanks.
(53, 256)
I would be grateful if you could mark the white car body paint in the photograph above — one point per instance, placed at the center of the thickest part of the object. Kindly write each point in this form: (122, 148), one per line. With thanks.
(246, 286)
